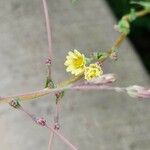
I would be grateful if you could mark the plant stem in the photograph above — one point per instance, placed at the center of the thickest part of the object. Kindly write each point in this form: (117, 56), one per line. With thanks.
(48, 28)
(62, 138)
(142, 13)
(72, 147)
(50, 141)
(118, 42)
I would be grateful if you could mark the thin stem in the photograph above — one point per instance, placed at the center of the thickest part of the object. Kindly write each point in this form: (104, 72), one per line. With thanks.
(122, 36)
(40, 93)
(72, 147)
(50, 140)
(142, 13)
(98, 87)
(118, 42)
(48, 27)
(56, 122)
(138, 14)
(49, 38)
(51, 128)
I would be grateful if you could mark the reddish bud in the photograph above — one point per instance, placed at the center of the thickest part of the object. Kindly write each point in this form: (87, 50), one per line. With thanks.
(48, 61)
(41, 121)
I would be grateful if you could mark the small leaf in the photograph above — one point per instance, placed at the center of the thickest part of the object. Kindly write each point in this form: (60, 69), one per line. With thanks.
(100, 55)
(46, 82)
(49, 83)
(14, 102)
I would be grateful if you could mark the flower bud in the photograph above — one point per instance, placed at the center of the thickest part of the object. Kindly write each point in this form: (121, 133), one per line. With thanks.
(104, 79)
(48, 61)
(114, 56)
(41, 121)
(136, 91)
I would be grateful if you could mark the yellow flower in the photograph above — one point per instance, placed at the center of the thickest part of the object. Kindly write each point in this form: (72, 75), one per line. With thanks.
(75, 62)
(92, 71)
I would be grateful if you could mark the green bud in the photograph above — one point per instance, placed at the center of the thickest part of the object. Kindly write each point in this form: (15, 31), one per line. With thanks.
(132, 15)
(124, 26)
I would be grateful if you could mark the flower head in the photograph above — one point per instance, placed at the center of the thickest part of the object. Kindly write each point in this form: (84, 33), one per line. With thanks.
(75, 62)
(92, 71)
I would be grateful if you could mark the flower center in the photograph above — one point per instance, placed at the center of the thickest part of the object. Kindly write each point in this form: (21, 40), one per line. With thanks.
(78, 62)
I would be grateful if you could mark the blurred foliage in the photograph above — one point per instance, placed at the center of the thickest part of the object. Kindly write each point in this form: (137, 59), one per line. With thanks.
(140, 29)
(123, 7)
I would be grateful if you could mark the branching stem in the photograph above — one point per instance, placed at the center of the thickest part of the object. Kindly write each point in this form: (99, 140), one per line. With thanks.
(66, 83)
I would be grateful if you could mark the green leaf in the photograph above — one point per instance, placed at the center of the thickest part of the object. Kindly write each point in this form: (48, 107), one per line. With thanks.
(100, 55)
(49, 83)
(146, 5)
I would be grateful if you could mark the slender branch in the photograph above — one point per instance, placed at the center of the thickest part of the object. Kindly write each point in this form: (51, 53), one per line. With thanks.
(40, 93)
(49, 38)
(142, 13)
(37, 94)
(122, 36)
(56, 125)
(98, 87)
(62, 138)
(48, 27)
(50, 141)
(118, 42)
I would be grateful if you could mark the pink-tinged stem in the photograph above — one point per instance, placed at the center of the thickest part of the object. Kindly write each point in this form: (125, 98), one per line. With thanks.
(57, 111)
(51, 128)
(72, 147)
(48, 28)
(98, 87)
(50, 141)
(56, 124)
(27, 113)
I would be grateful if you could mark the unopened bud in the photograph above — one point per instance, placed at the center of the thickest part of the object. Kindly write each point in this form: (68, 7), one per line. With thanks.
(136, 91)
(41, 121)
(48, 61)
(56, 126)
(114, 56)
(104, 79)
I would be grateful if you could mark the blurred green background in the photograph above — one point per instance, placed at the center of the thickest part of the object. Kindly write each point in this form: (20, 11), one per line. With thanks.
(140, 29)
